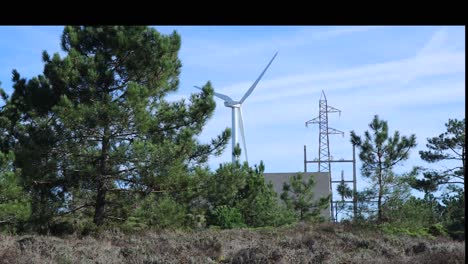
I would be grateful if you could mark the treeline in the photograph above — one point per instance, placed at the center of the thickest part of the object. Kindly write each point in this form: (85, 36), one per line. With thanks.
(389, 202)
(93, 143)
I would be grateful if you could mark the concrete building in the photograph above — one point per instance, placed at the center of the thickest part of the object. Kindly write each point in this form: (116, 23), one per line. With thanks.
(322, 184)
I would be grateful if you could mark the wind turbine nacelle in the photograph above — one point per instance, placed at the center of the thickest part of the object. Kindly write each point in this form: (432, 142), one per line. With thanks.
(232, 104)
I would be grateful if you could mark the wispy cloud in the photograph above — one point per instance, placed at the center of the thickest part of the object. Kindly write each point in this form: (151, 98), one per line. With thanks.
(396, 72)
(219, 51)
(437, 43)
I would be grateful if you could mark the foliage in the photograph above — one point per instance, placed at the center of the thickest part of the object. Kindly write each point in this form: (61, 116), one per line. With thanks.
(379, 153)
(163, 212)
(155, 211)
(242, 188)
(97, 122)
(448, 146)
(259, 203)
(396, 230)
(413, 213)
(454, 212)
(298, 194)
(344, 190)
(15, 204)
(94, 143)
(228, 217)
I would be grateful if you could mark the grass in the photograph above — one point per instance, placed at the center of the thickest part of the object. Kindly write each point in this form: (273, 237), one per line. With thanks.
(302, 243)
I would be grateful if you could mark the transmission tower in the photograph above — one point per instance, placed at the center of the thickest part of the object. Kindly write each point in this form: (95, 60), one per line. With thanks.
(324, 164)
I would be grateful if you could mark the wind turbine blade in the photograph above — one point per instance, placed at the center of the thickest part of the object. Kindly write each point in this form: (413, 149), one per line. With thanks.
(241, 124)
(222, 96)
(256, 82)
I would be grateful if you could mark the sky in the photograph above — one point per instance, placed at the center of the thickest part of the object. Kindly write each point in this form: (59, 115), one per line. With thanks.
(411, 76)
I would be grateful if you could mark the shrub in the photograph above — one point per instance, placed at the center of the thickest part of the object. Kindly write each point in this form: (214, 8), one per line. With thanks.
(298, 194)
(437, 230)
(164, 212)
(414, 232)
(228, 217)
(133, 224)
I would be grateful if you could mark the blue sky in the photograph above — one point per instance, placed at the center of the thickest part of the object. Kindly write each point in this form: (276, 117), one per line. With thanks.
(413, 77)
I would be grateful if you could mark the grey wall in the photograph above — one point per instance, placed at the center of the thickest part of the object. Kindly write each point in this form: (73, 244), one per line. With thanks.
(322, 184)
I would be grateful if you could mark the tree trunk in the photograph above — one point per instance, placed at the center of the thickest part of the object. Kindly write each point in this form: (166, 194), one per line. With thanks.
(379, 201)
(100, 207)
(463, 161)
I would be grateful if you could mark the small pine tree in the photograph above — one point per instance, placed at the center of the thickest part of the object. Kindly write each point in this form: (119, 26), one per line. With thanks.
(298, 194)
(379, 153)
(238, 189)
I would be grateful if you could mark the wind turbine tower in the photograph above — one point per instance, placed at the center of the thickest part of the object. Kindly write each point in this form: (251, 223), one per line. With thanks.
(236, 107)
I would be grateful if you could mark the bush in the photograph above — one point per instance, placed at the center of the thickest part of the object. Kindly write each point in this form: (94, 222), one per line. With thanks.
(60, 228)
(437, 230)
(454, 213)
(228, 217)
(283, 216)
(164, 212)
(241, 197)
(414, 232)
(133, 224)
(298, 194)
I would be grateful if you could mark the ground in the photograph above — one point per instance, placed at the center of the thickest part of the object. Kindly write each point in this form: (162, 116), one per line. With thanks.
(303, 243)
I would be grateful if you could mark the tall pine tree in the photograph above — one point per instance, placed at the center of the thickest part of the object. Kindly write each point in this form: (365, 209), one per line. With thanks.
(101, 121)
(379, 153)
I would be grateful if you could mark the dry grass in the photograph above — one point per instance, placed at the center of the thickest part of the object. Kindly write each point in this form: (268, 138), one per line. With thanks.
(303, 243)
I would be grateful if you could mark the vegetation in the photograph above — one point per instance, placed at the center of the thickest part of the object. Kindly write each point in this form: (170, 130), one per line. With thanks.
(448, 146)
(92, 151)
(303, 243)
(14, 203)
(430, 215)
(379, 153)
(298, 194)
(96, 127)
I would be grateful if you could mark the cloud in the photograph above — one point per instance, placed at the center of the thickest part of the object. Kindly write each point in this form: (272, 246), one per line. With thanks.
(397, 72)
(437, 43)
(209, 52)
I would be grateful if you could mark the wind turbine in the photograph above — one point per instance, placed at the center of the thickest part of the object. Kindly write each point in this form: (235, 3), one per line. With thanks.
(236, 107)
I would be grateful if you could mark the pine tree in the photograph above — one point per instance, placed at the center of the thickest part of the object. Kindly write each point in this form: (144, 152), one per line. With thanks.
(379, 153)
(111, 130)
(259, 202)
(239, 194)
(299, 195)
(21, 134)
(14, 202)
(448, 146)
